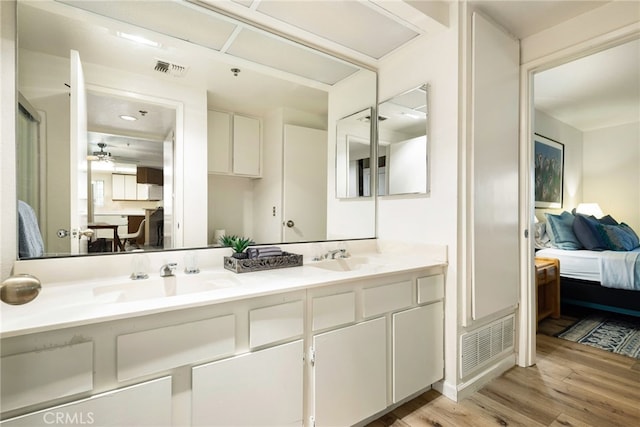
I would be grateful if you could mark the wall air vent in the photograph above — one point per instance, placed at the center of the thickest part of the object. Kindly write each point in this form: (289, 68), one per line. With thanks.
(166, 67)
(485, 345)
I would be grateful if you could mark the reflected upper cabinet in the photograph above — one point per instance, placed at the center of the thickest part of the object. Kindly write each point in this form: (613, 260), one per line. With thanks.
(353, 155)
(402, 144)
(234, 144)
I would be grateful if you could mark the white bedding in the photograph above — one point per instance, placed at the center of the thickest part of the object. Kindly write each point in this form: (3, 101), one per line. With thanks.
(616, 268)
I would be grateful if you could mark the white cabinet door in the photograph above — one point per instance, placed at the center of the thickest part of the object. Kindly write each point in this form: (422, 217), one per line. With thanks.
(246, 146)
(124, 187)
(263, 388)
(146, 404)
(418, 352)
(219, 142)
(117, 187)
(350, 373)
(130, 187)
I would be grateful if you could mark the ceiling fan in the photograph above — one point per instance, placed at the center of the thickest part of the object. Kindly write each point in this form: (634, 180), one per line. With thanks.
(101, 155)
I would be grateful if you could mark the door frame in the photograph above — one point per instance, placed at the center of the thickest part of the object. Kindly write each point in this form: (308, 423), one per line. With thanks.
(528, 306)
(178, 150)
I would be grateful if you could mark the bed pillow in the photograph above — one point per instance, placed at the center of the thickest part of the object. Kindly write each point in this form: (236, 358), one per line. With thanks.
(630, 231)
(608, 219)
(619, 237)
(590, 233)
(560, 229)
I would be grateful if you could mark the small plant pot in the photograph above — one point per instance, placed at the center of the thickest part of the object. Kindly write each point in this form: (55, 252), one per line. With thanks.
(240, 255)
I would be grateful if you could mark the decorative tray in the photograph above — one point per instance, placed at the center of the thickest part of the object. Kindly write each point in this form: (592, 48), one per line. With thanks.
(246, 265)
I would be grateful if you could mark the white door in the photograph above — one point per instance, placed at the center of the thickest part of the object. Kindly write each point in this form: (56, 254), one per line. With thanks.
(304, 204)
(167, 191)
(350, 373)
(263, 388)
(144, 404)
(418, 349)
(78, 158)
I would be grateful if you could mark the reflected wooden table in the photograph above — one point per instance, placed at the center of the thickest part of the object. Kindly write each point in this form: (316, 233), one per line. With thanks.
(117, 243)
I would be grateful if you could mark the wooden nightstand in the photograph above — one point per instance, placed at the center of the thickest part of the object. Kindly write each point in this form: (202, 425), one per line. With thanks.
(548, 287)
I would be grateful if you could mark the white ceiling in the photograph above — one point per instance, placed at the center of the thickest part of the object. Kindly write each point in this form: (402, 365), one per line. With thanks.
(208, 44)
(528, 17)
(593, 92)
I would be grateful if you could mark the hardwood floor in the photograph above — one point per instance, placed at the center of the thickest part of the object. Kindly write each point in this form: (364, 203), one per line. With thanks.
(570, 385)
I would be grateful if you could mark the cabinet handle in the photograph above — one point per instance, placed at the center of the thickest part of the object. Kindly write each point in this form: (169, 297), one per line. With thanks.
(290, 223)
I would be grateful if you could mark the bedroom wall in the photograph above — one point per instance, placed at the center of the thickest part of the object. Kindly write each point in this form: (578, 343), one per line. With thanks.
(572, 139)
(611, 177)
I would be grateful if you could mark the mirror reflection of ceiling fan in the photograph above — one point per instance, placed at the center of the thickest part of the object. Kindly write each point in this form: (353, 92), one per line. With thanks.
(102, 155)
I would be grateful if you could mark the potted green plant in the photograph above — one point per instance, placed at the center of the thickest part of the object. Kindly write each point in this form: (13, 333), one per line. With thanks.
(238, 244)
(227, 241)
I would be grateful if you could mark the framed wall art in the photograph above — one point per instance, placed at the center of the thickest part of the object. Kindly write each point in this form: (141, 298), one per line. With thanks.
(549, 172)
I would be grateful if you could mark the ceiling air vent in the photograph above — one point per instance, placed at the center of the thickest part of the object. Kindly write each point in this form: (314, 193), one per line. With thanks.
(166, 67)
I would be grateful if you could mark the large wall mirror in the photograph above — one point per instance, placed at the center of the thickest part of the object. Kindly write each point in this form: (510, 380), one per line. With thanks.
(402, 143)
(115, 128)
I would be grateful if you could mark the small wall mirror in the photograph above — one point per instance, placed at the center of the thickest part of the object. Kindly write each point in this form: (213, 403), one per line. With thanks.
(402, 144)
(353, 155)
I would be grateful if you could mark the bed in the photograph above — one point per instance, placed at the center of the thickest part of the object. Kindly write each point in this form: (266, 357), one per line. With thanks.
(581, 278)
(599, 261)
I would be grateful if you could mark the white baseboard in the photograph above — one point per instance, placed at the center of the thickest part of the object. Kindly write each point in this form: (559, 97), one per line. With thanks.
(470, 386)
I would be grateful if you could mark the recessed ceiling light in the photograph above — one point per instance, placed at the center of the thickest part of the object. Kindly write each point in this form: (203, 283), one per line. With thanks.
(128, 118)
(139, 39)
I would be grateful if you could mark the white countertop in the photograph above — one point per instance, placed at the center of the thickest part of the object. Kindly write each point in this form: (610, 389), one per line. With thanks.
(81, 302)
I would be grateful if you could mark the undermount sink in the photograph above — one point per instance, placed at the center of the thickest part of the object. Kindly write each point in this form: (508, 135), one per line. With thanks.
(161, 287)
(344, 264)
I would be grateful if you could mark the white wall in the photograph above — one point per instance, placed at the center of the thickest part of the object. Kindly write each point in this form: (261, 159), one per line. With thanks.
(571, 137)
(230, 206)
(432, 219)
(611, 174)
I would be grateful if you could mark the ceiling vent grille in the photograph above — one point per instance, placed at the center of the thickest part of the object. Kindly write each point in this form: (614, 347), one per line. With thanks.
(166, 67)
(485, 345)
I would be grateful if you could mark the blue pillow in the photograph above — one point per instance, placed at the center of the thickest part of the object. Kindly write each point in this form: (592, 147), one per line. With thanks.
(589, 232)
(562, 235)
(608, 219)
(619, 237)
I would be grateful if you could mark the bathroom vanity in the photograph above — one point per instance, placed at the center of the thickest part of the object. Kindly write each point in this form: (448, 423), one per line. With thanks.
(333, 342)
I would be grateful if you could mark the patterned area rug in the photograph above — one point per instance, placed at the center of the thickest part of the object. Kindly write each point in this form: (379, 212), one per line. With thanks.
(616, 334)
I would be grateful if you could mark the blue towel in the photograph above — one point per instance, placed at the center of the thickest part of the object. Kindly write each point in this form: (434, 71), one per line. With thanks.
(30, 243)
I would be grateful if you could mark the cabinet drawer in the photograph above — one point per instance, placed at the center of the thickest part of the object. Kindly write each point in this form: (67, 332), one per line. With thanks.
(386, 298)
(430, 288)
(39, 376)
(146, 352)
(275, 323)
(546, 274)
(334, 310)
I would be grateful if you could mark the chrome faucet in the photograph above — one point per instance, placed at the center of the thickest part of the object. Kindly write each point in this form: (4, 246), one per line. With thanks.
(168, 269)
(332, 254)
